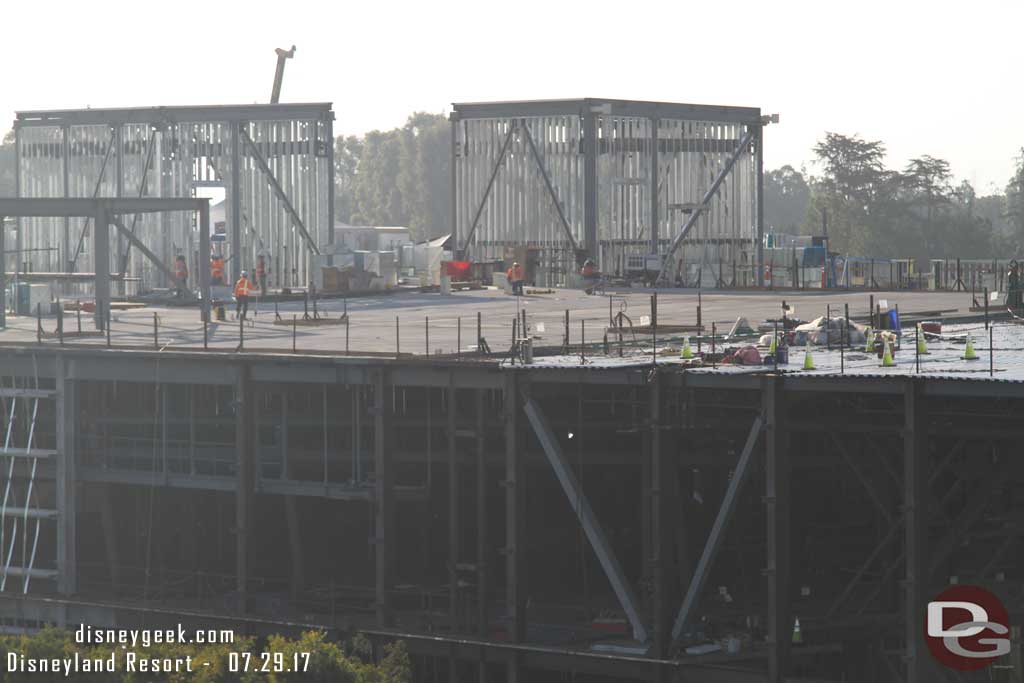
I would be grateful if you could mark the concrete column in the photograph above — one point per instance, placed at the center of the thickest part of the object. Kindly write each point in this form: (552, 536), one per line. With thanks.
(663, 565)
(453, 508)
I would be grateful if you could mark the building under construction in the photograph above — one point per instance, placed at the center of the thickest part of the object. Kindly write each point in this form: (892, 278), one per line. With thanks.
(591, 508)
(634, 185)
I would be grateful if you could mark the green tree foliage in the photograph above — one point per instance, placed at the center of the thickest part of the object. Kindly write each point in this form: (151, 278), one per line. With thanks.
(786, 197)
(919, 212)
(7, 165)
(396, 177)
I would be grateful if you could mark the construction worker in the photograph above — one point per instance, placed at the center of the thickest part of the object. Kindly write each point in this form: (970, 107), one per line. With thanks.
(216, 269)
(180, 275)
(516, 278)
(242, 290)
(261, 275)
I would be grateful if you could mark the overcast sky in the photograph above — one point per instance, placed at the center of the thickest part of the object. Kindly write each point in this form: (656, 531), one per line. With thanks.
(939, 78)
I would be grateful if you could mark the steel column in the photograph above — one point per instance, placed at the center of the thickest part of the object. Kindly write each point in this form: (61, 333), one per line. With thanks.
(453, 122)
(243, 483)
(661, 487)
(515, 603)
(915, 504)
(453, 507)
(590, 244)
(236, 200)
(591, 526)
(777, 515)
(67, 498)
(331, 218)
(101, 264)
(759, 279)
(384, 500)
(654, 122)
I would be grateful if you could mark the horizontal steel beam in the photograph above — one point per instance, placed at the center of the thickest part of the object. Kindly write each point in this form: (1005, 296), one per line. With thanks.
(86, 207)
(661, 110)
(172, 115)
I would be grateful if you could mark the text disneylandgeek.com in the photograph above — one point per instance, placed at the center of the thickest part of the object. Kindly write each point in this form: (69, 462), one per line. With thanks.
(130, 661)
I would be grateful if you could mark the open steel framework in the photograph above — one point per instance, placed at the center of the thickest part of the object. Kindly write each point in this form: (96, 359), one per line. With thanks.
(275, 163)
(611, 179)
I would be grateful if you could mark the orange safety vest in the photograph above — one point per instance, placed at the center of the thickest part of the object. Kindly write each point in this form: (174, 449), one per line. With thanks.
(517, 273)
(510, 275)
(217, 268)
(242, 287)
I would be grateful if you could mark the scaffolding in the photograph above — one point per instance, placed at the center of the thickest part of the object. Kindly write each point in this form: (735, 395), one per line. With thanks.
(274, 163)
(617, 181)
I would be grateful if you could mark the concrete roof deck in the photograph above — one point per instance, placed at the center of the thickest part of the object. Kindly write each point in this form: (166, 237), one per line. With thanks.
(372, 319)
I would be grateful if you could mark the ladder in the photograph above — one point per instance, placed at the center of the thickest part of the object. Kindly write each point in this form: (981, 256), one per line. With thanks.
(22, 516)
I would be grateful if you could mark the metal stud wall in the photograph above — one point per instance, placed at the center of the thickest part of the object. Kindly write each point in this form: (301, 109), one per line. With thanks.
(275, 163)
(521, 174)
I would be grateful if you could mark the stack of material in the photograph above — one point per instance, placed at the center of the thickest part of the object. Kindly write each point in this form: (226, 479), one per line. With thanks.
(822, 331)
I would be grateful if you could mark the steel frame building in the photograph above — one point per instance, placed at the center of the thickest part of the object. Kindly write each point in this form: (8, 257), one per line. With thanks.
(611, 179)
(351, 494)
(274, 162)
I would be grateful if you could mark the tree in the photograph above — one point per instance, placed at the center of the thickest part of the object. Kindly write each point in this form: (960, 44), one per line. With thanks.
(786, 197)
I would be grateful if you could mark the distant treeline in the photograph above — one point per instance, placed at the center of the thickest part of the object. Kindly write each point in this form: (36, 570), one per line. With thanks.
(871, 210)
(401, 177)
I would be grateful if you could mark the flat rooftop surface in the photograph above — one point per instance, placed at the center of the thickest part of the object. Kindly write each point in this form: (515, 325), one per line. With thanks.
(417, 323)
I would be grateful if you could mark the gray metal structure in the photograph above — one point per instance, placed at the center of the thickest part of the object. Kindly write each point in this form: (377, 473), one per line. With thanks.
(274, 162)
(611, 179)
(104, 213)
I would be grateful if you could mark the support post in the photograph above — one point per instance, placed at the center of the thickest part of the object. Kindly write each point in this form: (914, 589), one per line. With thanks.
(67, 508)
(760, 205)
(482, 614)
(453, 201)
(590, 186)
(515, 605)
(384, 499)
(101, 259)
(777, 516)
(236, 201)
(204, 261)
(453, 508)
(655, 122)
(243, 483)
(915, 503)
(329, 131)
(661, 515)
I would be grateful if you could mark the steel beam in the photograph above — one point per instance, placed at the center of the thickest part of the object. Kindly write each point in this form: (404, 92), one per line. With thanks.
(132, 239)
(550, 187)
(642, 109)
(162, 116)
(85, 207)
(591, 526)
(708, 196)
(279, 191)
(718, 529)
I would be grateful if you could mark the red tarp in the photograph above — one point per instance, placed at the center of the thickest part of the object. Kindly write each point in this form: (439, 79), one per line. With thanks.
(458, 270)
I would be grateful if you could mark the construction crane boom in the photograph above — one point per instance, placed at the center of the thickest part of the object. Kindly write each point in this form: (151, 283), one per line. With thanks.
(282, 55)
